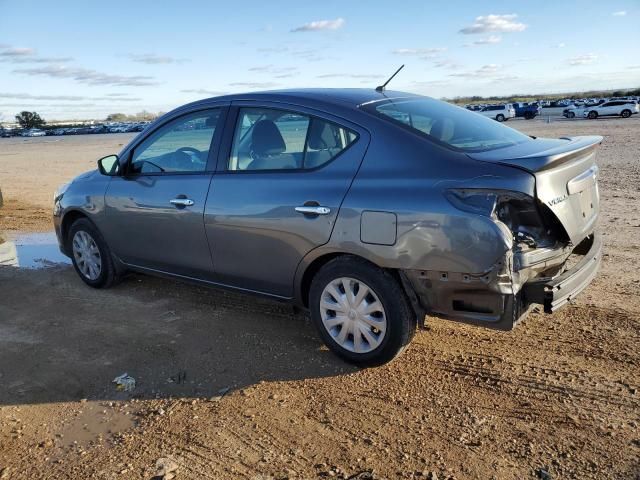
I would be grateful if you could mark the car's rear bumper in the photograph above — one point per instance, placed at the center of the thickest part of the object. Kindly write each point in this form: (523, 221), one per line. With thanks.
(496, 299)
(556, 292)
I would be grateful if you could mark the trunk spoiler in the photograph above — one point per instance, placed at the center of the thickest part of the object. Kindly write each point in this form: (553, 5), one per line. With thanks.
(541, 154)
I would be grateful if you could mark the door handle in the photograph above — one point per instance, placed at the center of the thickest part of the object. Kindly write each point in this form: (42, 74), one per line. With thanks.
(313, 210)
(181, 202)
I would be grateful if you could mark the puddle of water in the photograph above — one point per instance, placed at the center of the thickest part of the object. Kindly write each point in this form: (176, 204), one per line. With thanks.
(32, 250)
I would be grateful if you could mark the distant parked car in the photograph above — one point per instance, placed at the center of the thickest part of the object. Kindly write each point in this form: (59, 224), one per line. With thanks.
(501, 113)
(369, 209)
(573, 111)
(33, 132)
(617, 108)
(527, 110)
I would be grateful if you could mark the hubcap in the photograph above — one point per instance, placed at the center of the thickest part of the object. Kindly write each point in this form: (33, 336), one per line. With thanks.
(86, 255)
(353, 315)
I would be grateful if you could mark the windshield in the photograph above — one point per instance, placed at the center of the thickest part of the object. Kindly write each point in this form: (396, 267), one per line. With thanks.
(445, 123)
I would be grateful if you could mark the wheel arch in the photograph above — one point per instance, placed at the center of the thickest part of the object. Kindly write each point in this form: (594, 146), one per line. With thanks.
(314, 261)
(311, 264)
(69, 219)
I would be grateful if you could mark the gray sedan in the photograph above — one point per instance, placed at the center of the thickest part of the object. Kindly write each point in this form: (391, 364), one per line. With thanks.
(369, 209)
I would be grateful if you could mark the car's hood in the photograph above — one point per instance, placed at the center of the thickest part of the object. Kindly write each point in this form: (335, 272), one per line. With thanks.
(86, 176)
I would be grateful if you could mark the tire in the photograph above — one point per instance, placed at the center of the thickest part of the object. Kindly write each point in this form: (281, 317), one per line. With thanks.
(84, 240)
(528, 116)
(625, 113)
(592, 115)
(571, 115)
(500, 117)
(393, 318)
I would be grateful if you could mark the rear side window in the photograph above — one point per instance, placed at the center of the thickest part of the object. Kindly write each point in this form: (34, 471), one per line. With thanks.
(272, 139)
(447, 124)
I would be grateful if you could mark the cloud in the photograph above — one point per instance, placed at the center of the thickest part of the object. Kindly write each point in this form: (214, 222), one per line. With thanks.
(447, 64)
(202, 91)
(17, 52)
(89, 77)
(490, 40)
(419, 52)
(320, 25)
(153, 59)
(483, 72)
(620, 13)
(587, 59)
(254, 84)
(560, 45)
(66, 98)
(495, 23)
(27, 55)
(272, 69)
(360, 76)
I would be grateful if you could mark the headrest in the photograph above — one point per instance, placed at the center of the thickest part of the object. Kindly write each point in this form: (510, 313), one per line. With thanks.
(266, 139)
(321, 135)
(442, 129)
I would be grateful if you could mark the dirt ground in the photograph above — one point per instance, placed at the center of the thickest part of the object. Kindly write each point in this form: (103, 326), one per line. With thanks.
(230, 386)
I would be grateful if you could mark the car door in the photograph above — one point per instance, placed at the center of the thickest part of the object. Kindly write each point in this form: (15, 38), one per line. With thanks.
(280, 182)
(155, 210)
(607, 108)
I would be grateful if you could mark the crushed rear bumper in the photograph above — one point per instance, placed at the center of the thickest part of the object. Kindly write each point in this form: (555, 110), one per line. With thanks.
(556, 292)
(501, 298)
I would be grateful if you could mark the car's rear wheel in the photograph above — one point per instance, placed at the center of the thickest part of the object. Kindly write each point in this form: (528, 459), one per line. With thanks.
(625, 113)
(571, 115)
(361, 312)
(500, 118)
(592, 115)
(528, 116)
(90, 255)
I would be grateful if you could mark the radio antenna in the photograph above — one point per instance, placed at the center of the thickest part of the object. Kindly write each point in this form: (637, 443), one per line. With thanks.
(382, 87)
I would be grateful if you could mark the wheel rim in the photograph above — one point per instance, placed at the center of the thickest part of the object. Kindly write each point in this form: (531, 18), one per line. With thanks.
(86, 255)
(353, 315)
(626, 114)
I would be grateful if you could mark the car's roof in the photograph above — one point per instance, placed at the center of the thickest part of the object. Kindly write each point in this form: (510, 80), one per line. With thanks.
(353, 97)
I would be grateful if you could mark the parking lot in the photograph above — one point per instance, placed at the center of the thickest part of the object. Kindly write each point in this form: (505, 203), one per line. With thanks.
(233, 386)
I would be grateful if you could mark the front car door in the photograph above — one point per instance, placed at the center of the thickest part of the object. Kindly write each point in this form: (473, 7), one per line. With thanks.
(276, 194)
(155, 209)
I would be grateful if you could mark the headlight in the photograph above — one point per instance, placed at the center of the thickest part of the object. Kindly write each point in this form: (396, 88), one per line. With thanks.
(60, 191)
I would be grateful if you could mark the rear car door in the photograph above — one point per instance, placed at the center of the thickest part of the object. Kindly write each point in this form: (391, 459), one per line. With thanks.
(280, 182)
(155, 209)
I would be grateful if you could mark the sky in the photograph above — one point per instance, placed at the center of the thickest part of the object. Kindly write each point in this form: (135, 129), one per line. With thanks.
(84, 59)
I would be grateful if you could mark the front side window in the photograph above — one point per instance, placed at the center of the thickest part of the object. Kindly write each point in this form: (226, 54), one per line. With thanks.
(453, 126)
(271, 139)
(181, 146)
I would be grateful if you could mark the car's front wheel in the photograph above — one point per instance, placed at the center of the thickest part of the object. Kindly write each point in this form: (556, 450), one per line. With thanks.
(500, 118)
(625, 113)
(361, 312)
(592, 115)
(90, 255)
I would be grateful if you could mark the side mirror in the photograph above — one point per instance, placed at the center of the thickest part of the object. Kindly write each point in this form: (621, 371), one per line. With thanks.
(109, 165)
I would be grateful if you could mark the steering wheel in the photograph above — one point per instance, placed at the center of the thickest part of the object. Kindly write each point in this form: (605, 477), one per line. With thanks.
(189, 150)
(193, 153)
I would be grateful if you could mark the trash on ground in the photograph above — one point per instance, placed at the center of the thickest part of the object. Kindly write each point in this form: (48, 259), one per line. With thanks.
(125, 383)
(166, 468)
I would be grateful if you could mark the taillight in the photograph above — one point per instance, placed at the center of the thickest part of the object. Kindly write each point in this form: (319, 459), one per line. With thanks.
(517, 210)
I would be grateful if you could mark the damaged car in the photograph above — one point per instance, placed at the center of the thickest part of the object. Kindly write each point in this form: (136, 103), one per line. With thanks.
(370, 209)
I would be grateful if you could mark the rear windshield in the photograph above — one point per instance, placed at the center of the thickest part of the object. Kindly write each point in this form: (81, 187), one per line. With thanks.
(447, 124)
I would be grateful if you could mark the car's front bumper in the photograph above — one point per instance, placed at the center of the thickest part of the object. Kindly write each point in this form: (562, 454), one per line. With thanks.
(500, 298)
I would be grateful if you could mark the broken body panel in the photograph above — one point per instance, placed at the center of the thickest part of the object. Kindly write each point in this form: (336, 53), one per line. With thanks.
(533, 268)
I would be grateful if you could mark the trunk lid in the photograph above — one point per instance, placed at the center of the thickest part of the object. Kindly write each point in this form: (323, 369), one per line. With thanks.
(566, 177)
